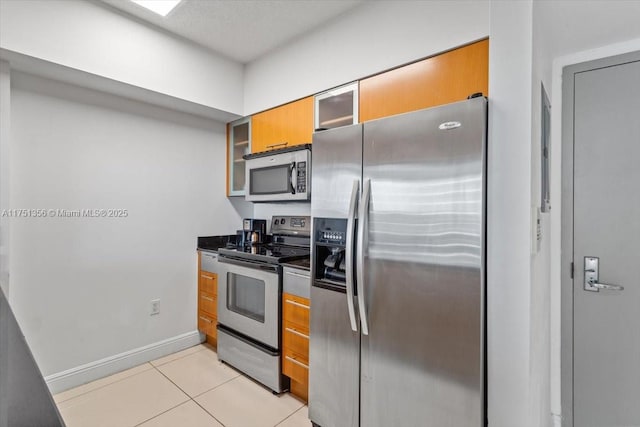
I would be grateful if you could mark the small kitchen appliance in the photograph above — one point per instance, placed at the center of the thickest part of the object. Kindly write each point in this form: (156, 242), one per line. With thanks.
(282, 175)
(252, 233)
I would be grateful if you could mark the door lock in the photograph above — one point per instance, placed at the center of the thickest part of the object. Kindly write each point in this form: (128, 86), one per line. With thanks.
(591, 276)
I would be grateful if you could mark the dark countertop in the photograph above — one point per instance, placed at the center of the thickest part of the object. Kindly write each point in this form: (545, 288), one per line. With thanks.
(302, 264)
(213, 243)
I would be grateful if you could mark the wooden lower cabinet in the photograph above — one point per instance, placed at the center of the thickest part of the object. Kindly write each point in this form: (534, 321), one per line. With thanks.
(295, 343)
(449, 77)
(208, 304)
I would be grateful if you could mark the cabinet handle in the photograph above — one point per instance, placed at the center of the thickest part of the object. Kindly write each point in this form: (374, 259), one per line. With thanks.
(292, 360)
(206, 298)
(280, 144)
(204, 319)
(297, 304)
(293, 331)
(207, 277)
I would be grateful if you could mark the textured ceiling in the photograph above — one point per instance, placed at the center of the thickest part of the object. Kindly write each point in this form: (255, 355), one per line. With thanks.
(241, 29)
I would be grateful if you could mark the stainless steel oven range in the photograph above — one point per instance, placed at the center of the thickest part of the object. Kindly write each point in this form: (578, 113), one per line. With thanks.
(249, 300)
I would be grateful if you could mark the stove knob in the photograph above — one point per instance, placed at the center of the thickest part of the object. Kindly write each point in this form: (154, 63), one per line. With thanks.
(282, 220)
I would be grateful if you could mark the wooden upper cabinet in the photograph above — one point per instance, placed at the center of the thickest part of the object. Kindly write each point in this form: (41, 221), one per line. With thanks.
(448, 77)
(290, 123)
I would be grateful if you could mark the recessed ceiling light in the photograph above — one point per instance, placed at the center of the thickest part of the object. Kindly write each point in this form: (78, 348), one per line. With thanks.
(161, 7)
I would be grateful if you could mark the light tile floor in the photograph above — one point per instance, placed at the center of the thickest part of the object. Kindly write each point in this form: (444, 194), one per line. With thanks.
(190, 388)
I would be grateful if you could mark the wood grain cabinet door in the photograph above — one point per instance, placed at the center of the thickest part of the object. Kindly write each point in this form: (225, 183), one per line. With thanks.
(449, 77)
(283, 126)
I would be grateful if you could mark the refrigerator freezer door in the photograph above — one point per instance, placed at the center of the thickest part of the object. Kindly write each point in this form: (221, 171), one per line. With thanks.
(334, 362)
(422, 362)
(334, 348)
(336, 163)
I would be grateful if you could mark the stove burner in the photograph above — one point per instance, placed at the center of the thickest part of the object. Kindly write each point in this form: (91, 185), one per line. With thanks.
(267, 253)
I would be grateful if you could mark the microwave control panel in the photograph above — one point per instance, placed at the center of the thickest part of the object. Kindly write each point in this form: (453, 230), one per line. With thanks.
(301, 181)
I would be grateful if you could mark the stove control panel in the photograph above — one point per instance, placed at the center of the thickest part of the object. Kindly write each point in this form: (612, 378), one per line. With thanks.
(291, 225)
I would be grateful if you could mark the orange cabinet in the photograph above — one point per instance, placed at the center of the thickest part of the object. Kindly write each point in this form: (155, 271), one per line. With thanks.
(283, 126)
(441, 79)
(295, 343)
(207, 303)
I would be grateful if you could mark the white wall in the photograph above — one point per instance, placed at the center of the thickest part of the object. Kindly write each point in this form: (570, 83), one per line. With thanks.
(508, 226)
(540, 338)
(87, 37)
(371, 38)
(556, 214)
(81, 287)
(5, 129)
(564, 34)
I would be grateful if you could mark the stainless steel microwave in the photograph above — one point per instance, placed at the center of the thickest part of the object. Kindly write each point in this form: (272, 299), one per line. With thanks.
(279, 176)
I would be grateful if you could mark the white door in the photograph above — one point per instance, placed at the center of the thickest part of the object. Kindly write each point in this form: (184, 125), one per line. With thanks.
(605, 242)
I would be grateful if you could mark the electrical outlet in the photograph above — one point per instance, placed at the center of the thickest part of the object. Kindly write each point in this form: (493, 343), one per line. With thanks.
(155, 307)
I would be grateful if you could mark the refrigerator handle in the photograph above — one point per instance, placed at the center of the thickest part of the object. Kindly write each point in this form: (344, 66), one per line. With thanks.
(348, 254)
(363, 230)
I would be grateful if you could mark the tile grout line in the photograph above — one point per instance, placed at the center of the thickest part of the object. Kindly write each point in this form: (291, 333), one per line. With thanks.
(150, 363)
(106, 385)
(178, 358)
(192, 398)
(213, 388)
(289, 416)
(205, 410)
(163, 412)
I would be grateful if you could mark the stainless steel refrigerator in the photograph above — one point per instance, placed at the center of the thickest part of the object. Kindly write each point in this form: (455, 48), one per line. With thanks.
(398, 267)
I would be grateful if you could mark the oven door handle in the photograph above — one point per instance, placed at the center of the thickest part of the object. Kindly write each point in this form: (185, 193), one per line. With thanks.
(249, 264)
(292, 169)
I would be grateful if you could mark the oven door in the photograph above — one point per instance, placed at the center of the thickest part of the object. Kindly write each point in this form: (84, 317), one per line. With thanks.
(249, 299)
(279, 177)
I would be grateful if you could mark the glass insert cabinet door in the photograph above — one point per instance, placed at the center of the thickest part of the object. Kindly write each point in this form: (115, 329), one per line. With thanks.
(337, 107)
(246, 296)
(239, 145)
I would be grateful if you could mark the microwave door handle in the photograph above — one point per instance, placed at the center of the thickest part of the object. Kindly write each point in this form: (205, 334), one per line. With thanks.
(292, 170)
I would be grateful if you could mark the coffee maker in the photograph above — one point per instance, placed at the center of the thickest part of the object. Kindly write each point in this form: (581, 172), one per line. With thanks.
(252, 233)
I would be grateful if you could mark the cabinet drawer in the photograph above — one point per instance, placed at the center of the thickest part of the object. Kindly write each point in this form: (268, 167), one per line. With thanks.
(208, 262)
(296, 310)
(208, 282)
(207, 324)
(208, 303)
(296, 282)
(295, 367)
(296, 340)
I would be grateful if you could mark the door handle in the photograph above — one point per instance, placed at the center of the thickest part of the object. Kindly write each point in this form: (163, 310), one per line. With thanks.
(606, 287)
(591, 277)
(363, 229)
(348, 253)
(279, 144)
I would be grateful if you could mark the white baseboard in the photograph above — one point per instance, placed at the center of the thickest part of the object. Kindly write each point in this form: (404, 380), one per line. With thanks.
(110, 365)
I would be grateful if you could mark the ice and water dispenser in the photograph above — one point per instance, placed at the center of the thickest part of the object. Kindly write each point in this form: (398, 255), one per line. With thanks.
(329, 252)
